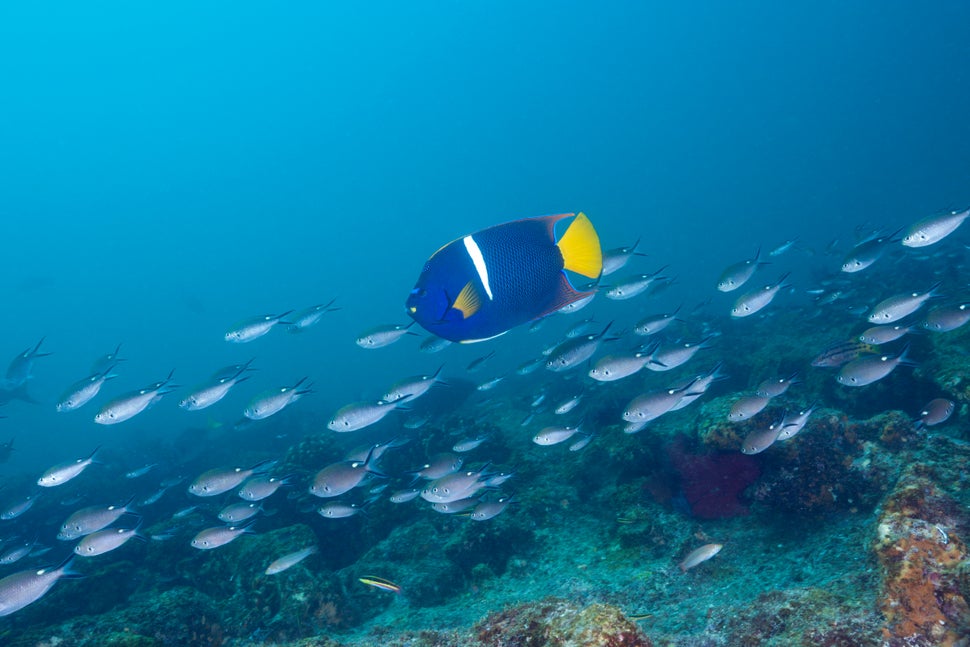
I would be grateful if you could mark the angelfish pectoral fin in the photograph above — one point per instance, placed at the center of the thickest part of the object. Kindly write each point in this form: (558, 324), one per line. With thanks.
(469, 301)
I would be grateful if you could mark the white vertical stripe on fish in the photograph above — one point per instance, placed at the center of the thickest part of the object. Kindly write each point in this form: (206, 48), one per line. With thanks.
(476, 254)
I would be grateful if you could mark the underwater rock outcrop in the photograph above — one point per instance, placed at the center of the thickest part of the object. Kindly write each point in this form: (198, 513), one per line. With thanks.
(921, 546)
(561, 623)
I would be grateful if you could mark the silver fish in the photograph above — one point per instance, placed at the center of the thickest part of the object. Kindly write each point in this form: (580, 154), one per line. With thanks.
(155, 497)
(311, 316)
(23, 588)
(584, 327)
(375, 451)
(454, 487)
(747, 407)
(490, 384)
(231, 371)
(752, 302)
(869, 369)
(131, 404)
(412, 388)
(290, 560)
(141, 471)
(17, 552)
(902, 305)
(381, 336)
(106, 362)
(581, 444)
(253, 328)
(698, 386)
(671, 356)
(219, 536)
(567, 405)
(236, 512)
(217, 481)
(184, 512)
(477, 363)
(82, 391)
(529, 366)
(947, 318)
(64, 472)
(272, 402)
(404, 496)
(576, 306)
(775, 386)
(610, 368)
(634, 285)
(934, 229)
(867, 252)
(338, 510)
(736, 275)
(555, 435)
(791, 425)
(104, 541)
(92, 519)
(884, 334)
(573, 352)
(653, 324)
(759, 440)
(490, 509)
(440, 465)
(358, 415)
(337, 478)
(936, 412)
(19, 508)
(416, 421)
(434, 344)
(784, 247)
(207, 395)
(496, 479)
(469, 444)
(261, 487)
(699, 555)
(22, 366)
(616, 259)
(652, 405)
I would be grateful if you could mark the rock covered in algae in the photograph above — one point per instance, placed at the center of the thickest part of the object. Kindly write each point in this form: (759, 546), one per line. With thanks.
(921, 546)
(559, 623)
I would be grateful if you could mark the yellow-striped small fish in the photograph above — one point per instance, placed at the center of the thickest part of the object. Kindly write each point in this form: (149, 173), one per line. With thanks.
(380, 583)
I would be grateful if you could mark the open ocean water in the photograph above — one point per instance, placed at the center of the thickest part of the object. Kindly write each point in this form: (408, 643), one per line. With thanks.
(176, 176)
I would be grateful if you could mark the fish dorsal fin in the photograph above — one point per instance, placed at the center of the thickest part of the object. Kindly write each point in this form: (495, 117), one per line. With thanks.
(468, 302)
(580, 247)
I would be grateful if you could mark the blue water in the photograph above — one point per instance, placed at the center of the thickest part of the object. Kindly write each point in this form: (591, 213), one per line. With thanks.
(169, 169)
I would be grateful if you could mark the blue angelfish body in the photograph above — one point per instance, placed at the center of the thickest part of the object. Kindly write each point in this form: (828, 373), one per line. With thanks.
(484, 284)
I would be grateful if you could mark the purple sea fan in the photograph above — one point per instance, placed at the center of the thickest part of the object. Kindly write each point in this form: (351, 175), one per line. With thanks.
(713, 483)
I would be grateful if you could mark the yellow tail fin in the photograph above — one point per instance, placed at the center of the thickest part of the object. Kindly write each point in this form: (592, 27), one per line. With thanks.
(580, 247)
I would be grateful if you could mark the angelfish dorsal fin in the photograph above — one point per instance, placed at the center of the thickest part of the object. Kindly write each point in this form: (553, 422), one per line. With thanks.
(468, 301)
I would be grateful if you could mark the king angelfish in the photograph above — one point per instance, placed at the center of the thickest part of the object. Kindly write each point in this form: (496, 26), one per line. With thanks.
(484, 284)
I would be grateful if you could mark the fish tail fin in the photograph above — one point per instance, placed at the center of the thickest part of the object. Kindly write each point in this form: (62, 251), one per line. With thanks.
(904, 358)
(65, 569)
(264, 466)
(129, 505)
(580, 247)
